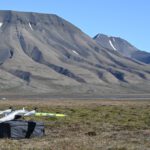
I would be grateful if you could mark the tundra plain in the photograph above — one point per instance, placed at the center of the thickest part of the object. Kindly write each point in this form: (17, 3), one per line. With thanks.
(89, 125)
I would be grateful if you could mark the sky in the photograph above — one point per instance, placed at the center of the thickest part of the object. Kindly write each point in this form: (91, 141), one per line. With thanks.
(128, 19)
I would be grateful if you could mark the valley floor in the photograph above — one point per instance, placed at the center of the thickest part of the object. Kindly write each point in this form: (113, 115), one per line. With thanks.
(89, 125)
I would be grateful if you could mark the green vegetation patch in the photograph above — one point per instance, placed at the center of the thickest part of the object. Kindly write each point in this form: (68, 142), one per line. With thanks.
(89, 127)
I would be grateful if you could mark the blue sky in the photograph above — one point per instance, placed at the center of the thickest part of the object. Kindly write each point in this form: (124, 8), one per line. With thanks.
(129, 19)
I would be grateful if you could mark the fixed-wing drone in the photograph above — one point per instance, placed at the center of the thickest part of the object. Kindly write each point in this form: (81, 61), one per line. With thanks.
(5, 112)
(10, 114)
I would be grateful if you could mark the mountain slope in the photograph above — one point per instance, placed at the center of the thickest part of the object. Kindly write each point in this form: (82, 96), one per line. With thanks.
(122, 46)
(43, 53)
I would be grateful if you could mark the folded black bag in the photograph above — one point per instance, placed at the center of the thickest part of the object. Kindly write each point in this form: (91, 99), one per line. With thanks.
(19, 129)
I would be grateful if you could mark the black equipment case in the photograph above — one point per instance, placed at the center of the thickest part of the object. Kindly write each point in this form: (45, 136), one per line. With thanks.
(21, 129)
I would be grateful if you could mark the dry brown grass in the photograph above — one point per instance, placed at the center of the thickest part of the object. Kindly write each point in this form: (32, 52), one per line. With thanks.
(90, 125)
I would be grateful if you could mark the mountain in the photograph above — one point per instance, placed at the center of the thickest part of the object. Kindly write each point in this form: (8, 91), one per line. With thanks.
(123, 47)
(45, 54)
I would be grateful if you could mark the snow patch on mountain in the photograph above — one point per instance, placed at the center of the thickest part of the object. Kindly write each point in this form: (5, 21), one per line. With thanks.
(30, 26)
(1, 24)
(75, 52)
(112, 45)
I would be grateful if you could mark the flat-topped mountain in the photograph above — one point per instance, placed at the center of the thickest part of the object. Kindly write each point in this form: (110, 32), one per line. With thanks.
(43, 53)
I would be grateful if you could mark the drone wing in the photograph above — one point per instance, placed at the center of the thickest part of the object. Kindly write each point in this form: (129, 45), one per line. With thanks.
(30, 113)
(5, 112)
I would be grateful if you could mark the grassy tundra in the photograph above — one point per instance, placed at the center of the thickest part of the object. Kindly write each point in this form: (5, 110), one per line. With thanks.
(89, 125)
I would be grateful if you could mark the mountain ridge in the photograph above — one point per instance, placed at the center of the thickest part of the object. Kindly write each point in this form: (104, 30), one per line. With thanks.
(43, 53)
(123, 46)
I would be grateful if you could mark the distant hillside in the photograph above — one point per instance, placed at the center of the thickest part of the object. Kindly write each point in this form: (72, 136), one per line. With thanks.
(43, 53)
(122, 46)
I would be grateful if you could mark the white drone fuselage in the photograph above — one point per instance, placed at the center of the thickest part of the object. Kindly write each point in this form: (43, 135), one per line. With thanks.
(16, 114)
(10, 114)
